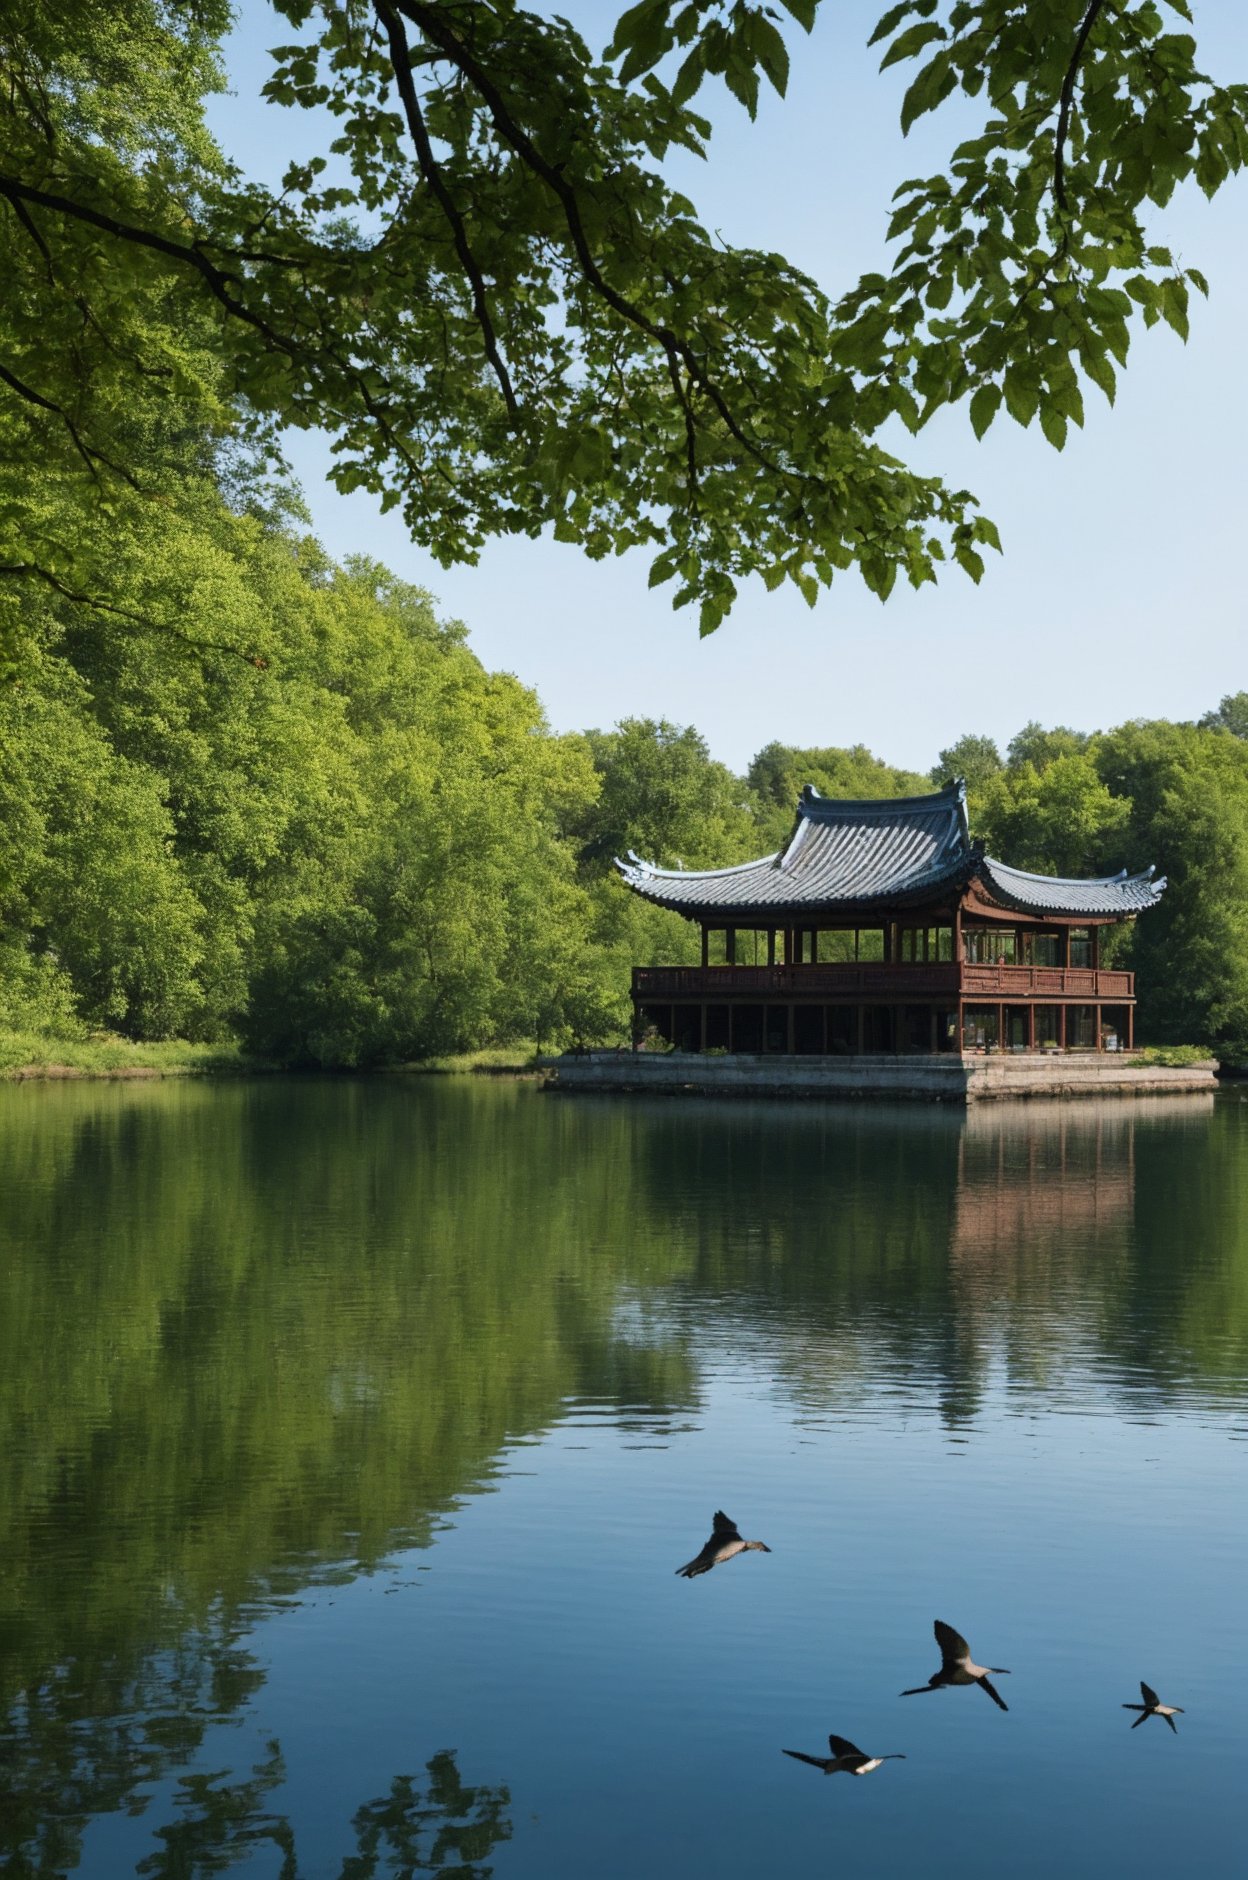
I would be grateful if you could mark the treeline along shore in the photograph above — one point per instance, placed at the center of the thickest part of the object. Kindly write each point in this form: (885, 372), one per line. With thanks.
(305, 822)
(253, 800)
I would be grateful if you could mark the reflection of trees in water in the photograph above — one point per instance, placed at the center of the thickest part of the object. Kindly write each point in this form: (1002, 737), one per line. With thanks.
(293, 1325)
(60, 1774)
(220, 1822)
(86, 1741)
(448, 1829)
(367, 1291)
(443, 1826)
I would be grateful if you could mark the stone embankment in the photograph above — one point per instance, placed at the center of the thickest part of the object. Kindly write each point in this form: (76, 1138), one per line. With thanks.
(947, 1078)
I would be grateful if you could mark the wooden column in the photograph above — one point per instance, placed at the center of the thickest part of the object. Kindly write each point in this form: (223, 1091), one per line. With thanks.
(730, 945)
(1130, 1028)
(860, 1021)
(1031, 1027)
(771, 946)
(1061, 1027)
(1097, 1011)
(706, 947)
(1000, 1027)
(933, 1046)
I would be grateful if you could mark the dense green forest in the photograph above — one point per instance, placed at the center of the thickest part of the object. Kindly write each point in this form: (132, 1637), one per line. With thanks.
(360, 847)
(248, 794)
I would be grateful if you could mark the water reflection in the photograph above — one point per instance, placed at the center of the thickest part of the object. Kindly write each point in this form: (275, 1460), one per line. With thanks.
(255, 1338)
(446, 1828)
(442, 1826)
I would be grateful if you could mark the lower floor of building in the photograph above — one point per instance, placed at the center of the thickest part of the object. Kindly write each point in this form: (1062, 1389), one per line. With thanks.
(806, 1029)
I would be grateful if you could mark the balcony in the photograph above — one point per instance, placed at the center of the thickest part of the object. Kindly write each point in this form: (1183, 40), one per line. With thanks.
(875, 981)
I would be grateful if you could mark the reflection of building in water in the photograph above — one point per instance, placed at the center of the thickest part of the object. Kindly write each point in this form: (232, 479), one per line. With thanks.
(1041, 1230)
(1031, 1176)
(1027, 1180)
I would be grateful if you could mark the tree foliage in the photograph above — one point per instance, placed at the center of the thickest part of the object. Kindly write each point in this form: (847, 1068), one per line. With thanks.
(1173, 795)
(1231, 715)
(973, 757)
(488, 294)
(780, 772)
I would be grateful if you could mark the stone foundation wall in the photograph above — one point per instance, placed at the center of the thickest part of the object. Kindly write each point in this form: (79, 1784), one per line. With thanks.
(948, 1078)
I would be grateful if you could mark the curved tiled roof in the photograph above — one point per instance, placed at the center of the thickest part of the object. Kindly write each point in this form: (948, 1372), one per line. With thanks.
(848, 853)
(1119, 894)
(842, 852)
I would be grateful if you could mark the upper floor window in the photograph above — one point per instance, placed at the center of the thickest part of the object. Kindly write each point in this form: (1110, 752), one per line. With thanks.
(991, 946)
(916, 944)
(1042, 949)
(1081, 946)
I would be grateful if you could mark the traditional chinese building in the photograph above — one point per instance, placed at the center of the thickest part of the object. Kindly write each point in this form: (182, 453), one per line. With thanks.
(882, 927)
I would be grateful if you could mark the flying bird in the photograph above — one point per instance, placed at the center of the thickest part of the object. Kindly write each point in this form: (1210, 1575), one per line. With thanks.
(1153, 1707)
(958, 1667)
(725, 1541)
(844, 1760)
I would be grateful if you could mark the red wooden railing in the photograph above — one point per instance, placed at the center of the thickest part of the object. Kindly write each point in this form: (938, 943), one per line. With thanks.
(874, 980)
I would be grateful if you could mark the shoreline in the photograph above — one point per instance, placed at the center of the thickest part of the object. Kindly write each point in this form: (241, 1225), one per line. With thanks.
(26, 1058)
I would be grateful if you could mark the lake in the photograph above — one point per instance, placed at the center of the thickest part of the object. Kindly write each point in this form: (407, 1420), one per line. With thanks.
(351, 1432)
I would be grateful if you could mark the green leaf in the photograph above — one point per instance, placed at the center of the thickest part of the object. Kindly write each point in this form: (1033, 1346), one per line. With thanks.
(912, 41)
(984, 407)
(895, 15)
(967, 558)
(634, 22)
(771, 52)
(930, 88)
(803, 12)
(1101, 372)
(1053, 424)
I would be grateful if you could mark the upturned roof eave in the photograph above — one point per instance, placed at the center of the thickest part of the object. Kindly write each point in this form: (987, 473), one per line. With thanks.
(1099, 897)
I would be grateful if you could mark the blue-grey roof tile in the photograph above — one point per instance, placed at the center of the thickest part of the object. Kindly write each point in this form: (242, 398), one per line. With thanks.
(1119, 894)
(848, 853)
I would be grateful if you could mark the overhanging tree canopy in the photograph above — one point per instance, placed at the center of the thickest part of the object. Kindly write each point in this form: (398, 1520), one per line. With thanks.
(509, 321)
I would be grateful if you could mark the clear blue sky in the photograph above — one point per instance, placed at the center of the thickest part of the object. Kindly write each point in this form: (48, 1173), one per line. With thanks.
(1122, 590)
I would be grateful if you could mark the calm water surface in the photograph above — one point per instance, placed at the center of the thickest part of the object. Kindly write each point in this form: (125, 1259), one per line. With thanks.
(350, 1435)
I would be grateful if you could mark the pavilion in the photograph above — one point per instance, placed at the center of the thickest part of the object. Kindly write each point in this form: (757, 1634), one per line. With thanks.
(882, 928)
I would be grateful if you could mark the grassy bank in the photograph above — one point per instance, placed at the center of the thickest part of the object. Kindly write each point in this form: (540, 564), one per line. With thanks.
(31, 1054)
(497, 1060)
(101, 1054)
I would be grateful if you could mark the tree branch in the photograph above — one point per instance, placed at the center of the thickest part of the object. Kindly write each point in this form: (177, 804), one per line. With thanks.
(1066, 101)
(90, 456)
(400, 58)
(16, 570)
(187, 254)
(433, 25)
